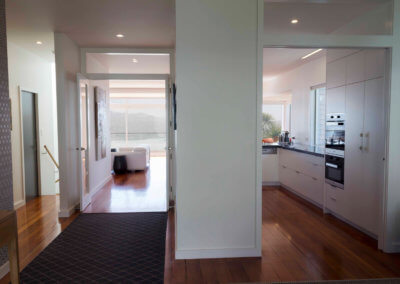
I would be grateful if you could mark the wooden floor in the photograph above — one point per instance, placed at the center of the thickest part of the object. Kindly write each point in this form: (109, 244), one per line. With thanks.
(299, 243)
(141, 191)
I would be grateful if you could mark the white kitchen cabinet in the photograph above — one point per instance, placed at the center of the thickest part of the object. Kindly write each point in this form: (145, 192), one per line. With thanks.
(372, 153)
(303, 174)
(334, 54)
(270, 169)
(336, 100)
(374, 63)
(355, 67)
(353, 172)
(335, 200)
(336, 73)
(364, 152)
(358, 202)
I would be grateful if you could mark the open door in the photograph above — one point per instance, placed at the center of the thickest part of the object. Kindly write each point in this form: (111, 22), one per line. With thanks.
(170, 101)
(82, 149)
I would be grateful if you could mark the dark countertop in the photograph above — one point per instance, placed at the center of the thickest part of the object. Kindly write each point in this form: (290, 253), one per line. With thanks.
(307, 149)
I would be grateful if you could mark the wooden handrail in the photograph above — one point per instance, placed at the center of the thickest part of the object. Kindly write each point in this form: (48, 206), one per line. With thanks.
(52, 158)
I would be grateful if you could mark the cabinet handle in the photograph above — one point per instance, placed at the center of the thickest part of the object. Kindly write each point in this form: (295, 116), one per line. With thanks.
(314, 178)
(315, 165)
(333, 199)
(366, 135)
(362, 141)
(297, 172)
(284, 167)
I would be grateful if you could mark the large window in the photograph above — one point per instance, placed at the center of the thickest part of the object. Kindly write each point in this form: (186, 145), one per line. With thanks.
(317, 115)
(136, 121)
(275, 120)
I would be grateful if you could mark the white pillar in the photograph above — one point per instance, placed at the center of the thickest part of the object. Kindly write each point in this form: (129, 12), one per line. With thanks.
(218, 75)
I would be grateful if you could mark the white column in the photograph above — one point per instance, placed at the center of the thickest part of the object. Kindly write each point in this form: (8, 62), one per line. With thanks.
(218, 75)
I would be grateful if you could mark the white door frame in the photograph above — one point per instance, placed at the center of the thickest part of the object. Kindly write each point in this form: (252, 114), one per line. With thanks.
(35, 94)
(169, 145)
(84, 200)
(388, 236)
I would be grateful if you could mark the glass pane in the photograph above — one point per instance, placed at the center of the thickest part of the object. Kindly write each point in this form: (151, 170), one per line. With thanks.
(127, 63)
(272, 122)
(138, 115)
(351, 17)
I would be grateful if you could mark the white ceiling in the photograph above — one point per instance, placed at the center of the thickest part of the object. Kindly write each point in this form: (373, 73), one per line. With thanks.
(279, 60)
(91, 23)
(317, 16)
(123, 63)
(151, 23)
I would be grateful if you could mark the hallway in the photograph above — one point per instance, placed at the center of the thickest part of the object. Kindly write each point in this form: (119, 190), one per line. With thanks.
(141, 191)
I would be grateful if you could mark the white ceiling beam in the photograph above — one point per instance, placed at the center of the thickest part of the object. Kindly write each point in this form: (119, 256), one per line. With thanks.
(323, 41)
(106, 76)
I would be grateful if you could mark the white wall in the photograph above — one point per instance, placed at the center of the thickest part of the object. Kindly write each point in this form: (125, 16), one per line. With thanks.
(298, 82)
(67, 66)
(216, 73)
(31, 73)
(99, 171)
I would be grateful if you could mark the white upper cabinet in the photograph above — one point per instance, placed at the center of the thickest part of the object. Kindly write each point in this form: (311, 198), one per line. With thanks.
(336, 100)
(355, 68)
(374, 63)
(336, 73)
(334, 54)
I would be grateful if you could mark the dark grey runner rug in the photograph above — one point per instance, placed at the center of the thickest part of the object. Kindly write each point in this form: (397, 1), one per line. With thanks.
(104, 248)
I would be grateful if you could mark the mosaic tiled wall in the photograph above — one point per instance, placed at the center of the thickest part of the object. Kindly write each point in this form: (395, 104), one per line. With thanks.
(6, 192)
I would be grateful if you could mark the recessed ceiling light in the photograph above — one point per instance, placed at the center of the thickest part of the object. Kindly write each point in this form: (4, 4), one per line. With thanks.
(39, 42)
(312, 53)
(119, 35)
(294, 21)
(134, 60)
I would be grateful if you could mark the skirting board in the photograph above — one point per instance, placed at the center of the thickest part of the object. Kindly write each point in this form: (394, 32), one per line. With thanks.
(4, 269)
(352, 224)
(271, 183)
(19, 204)
(100, 186)
(67, 213)
(217, 253)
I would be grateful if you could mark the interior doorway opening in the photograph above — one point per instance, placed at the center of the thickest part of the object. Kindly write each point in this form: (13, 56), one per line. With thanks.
(135, 129)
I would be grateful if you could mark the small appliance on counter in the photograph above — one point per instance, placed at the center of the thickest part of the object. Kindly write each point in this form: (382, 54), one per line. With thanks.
(284, 137)
(334, 149)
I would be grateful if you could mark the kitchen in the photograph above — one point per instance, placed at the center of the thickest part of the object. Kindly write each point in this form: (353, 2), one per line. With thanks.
(327, 142)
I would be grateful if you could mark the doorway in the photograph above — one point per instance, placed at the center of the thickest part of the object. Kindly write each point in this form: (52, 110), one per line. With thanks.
(138, 126)
(30, 144)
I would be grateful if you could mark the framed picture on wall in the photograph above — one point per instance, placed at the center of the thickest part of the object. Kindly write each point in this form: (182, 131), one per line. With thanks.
(100, 120)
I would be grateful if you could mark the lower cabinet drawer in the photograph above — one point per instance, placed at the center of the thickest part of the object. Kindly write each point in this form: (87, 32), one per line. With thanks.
(333, 199)
(314, 189)
(307, 186)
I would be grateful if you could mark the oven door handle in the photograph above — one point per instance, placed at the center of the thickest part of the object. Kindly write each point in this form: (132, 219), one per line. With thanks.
(331, 165)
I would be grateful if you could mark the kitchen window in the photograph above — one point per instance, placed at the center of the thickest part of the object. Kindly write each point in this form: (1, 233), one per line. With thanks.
(317, 115)
(276, 118)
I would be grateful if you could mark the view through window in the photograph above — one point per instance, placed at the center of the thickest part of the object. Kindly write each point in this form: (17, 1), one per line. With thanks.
(138, 115)
(273, 120)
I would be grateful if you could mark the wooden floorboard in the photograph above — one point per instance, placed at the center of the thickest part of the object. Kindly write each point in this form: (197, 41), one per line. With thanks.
(299, 243)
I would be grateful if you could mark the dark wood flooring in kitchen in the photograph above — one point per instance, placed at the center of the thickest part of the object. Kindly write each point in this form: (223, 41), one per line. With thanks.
(299, 243)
